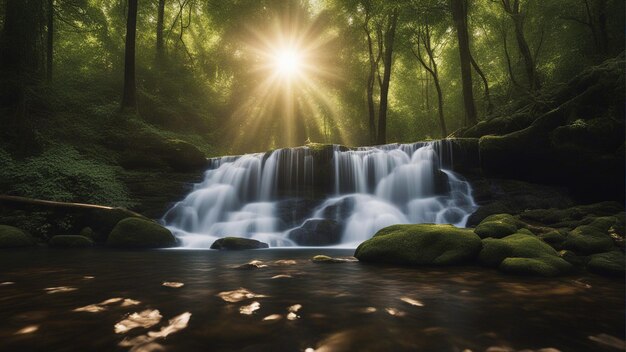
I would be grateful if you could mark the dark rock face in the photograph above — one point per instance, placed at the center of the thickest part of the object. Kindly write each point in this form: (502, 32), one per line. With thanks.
(140, 233)
(317, 232)
(294, 211)
(238, 243)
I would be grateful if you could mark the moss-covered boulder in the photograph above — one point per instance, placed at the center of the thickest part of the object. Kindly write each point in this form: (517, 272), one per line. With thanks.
(423, 244)
(237, 243)
(553, 237)
(522, 245)
(497, 226)
(11, 237)
(140, 233)
(70, 241)
(609, 263)
(588, 239)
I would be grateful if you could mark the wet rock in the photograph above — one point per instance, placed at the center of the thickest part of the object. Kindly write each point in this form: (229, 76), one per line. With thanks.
(497, 226)
(255, 264)
(317, 232)
(423, 244)
(610, 263)
(237, 243)
(70, 241)
(140, 233)
(13, 237)
(522, 253)
(293, 212)
(327, 259)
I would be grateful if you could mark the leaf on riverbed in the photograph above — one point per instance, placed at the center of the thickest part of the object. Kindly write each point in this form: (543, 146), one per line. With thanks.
(295, 308)
(172, 284)
(286, 262)
(145, 343)
(249, 309)
(238, 295)
(282, 276)
(394, 312)
(88, 277)
(27, 330)
(608, 340)
(273, 317)
(144, 319)
(60, 289)
(255, 264)
(412, 302)
(7, 283)
(102, 306)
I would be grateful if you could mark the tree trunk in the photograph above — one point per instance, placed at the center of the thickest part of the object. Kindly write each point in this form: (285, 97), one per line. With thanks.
(159, 32)
(371, 78)
(460, 21)
(603, 37)
(485, 83)
(384, 87)
(129, 98)
(529, 63)
(50, 42)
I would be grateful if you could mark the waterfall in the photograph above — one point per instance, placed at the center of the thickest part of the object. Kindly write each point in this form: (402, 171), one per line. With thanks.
(327, 196)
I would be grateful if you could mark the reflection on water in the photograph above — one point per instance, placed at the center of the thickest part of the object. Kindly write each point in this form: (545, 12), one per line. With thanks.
(292, 304)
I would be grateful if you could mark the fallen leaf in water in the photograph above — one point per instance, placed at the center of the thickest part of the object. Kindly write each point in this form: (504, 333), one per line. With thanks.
(608, 340)
(60, 289)
(368, 310)
(292, 316)
(92, 308)
(110, 301)
(395, 312)
(282, 276)
(255, 264)
(144, 343)
(144, 319)
(99, 307)
(27, 330)
(129, 302)
(412, 302)
(273, 317)
(173, 284)
(250, 308)
(295, 308)
(238, 295)
(89, 277)
(7, 283)
(581, 283)
(286, 262)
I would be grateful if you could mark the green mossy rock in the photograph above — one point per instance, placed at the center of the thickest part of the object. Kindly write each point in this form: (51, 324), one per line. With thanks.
(522, 245)
(11, 237)
(588, 239)
(497, 226)
(237, 243)
(423, 244)
(88, 232)
(140, 233)
(553, 237)
(70, 241)
(571, 257)
(610, 263)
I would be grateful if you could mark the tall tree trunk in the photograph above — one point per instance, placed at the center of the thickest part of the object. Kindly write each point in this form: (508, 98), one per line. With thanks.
(460, 21)
(529, 63)
(50, 41)
(485, 83)
(384, 87)
(371, 78)
(159, 33)
(129, 98)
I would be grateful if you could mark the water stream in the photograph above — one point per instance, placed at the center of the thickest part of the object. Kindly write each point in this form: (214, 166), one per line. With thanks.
(332, 196)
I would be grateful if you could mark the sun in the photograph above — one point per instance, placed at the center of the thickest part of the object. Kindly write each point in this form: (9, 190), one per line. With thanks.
(288, 62)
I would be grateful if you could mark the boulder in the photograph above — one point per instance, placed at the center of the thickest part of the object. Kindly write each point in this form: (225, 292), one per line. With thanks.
(497, 226)
(609, 263)
(237, 243)
(13, 237)
(140, 233)
(589, 239)
(317, 232)
(511, 253)
(320, 258)
(70, 241)
(423, 244)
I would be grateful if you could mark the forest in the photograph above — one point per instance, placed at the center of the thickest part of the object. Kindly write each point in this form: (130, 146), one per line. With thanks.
(379, 175)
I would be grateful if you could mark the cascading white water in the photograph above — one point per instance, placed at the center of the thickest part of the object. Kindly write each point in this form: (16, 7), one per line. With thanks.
(259, 196)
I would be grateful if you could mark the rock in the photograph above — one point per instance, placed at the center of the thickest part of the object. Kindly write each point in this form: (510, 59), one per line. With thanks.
(553, 237)
(320, 258)
(237, 243)
(497, 226)
(522, 245)
(70, 241)
(609, 263)
(317, 232)
(87, 232)
(423, 244)
(295, 211)
(13, 237)
(588, 239)
(140, 233)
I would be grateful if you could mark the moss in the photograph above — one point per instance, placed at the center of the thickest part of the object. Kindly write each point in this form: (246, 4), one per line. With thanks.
(571, 257)
(497, 226)
(237, 243)
(610, 263)
(13, 237)
(70, 241)
(553, 237)
(423, 244)
(528, 266)
(140, 233)
(587, 239)
(521, 245)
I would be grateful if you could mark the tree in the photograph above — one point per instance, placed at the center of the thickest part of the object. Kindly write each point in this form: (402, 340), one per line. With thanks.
(159, 32)
(129, 97)
(374, 60)
(518, 17)
(459, 15)
(388, 39)
(50, 40)
(595, 19)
